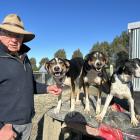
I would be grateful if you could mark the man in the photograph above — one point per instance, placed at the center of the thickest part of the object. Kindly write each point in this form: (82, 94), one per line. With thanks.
(17, 84)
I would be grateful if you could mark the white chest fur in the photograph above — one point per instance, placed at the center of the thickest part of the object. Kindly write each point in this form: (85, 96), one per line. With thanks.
(92, 77)
(120, 90)
(67, 81)
(63, 81)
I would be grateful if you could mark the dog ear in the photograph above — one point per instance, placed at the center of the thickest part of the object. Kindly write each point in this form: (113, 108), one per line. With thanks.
(67, 62)
(120, 69)
(136, 61)
(106, 59)
(46, 66)
(87, 57)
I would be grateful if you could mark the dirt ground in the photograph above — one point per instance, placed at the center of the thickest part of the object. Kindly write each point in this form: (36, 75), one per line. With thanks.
(42, 104)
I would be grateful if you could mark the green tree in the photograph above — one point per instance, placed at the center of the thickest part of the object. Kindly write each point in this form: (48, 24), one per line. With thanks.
(125, 40)
(95, 47)
(121, 57)
(119, 48)
(77, 53)
(60, 53)
(103, 47)
(43, 61)
(33, 64)
(120, 43)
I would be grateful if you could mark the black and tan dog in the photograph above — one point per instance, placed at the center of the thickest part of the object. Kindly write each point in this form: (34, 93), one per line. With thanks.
(94, 74)
(65, 73)
(122, 88)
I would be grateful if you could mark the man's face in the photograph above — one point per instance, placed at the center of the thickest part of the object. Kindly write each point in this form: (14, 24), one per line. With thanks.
(11, 40)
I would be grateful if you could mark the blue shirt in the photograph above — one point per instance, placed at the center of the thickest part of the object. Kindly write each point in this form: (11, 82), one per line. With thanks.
(17, 86)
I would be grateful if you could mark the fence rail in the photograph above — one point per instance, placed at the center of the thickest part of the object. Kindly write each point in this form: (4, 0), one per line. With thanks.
(41, 77)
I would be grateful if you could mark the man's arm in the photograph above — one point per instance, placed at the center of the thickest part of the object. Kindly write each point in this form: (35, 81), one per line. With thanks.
(54, 89)
(43, 88)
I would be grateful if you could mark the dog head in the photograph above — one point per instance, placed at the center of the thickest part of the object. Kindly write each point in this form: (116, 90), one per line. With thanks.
(96, 60)
(57, 67)
(136, 67)
(130, 68)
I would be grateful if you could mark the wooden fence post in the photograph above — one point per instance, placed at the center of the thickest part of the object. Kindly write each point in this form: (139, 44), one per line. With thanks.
(51, 128)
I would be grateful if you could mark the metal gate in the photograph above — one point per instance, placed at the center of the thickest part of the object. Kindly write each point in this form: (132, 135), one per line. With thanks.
(134, 47)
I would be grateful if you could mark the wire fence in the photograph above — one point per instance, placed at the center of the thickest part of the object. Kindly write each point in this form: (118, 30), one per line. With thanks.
(41, 77)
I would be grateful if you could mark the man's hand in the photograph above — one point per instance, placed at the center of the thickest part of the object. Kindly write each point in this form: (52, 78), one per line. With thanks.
(54, 89)
(7, 133)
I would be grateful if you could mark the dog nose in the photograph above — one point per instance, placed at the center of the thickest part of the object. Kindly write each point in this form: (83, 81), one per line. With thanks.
(56, 68)
(98, 64)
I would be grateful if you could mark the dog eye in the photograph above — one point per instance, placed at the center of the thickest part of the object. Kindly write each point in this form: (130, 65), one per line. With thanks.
(93, 59)
(52, 63)
(102, 59)
(61, 63)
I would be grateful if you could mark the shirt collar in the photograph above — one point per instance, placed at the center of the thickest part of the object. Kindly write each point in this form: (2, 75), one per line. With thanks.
(24, 49)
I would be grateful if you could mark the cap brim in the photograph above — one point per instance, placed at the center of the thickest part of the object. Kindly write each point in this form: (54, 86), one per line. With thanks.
(28, 36)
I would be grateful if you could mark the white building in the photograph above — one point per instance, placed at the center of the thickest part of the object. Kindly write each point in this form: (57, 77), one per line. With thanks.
(134, 45)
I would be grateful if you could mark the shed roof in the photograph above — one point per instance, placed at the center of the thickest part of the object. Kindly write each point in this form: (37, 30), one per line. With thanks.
(133, 25)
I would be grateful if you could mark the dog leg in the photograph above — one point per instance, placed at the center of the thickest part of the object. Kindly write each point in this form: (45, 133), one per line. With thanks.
(72, 105)
(57, 109)
(98, 105)
(100, 116)
(78, 101)
(87, 106)
(134, 121)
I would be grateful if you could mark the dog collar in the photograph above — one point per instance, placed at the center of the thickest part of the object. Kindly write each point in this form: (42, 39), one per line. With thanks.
(100, 74)
(60, 81)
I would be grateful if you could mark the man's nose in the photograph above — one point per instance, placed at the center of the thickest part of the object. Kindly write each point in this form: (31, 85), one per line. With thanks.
(14, 39)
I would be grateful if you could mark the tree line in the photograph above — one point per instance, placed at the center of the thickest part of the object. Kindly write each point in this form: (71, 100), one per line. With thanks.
(117, 51)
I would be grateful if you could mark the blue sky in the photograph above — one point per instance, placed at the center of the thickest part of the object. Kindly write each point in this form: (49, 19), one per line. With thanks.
(71, 24)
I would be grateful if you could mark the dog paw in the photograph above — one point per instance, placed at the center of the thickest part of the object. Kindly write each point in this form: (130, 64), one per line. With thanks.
(87, 110)
(98, 111)
(99, 117)
(56, 111)
(134, 122)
